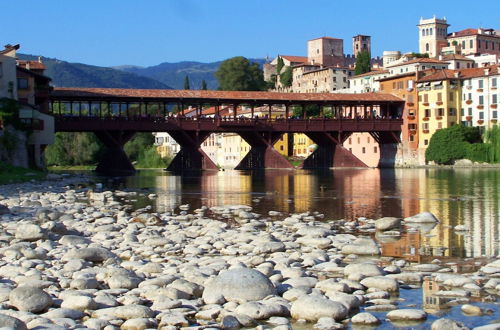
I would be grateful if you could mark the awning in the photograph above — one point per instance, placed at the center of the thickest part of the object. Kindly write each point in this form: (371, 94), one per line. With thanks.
(437, 83)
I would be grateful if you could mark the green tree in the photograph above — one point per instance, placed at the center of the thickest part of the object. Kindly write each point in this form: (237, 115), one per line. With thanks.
(186, 82)
(74, 149)
(203, 85)
(137, 145)
(450, 144)
(492, 137)
(286, 77)
(279, 65)
(239, 74)
(363, 61)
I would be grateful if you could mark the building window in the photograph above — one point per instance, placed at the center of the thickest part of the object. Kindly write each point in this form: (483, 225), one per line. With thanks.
(470, 112)
(426, 98)
(494, 99)
(427, 112)
(479, 44)
(350, 140)
(481, 99)
(440, 125)
(440, 112)
(493, 81)
(375, 150)
(426, 142)
(462, 113)
(481, 115)
(451, 97)
(22, 83)
(440, 97)
(411, 138)
(427, 47)
(481, 83)
(494, 114)
(363, 150)
(463, 44)
(425, 126)
(471, 43)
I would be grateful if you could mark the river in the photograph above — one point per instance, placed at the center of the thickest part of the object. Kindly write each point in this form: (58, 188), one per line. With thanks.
(466, 197)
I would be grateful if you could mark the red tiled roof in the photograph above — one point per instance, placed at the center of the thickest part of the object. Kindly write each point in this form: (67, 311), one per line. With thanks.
(8, 48)
(456, 57)
(371, 73)
(295, 59)
(470, 32)
(31, 65)
(443, 74)
(329, 38)
(419, 60)
(215, 96)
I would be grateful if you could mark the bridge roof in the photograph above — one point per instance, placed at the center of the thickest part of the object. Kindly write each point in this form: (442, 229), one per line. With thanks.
(170, 95)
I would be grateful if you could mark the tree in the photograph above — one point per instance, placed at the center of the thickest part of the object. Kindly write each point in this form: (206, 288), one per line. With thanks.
(239, 74)
(279, 65)
(136, 146)
(74, 149)
(450, 144)
(286, 77)
(363, 62)
(204, 85)
(186, 82)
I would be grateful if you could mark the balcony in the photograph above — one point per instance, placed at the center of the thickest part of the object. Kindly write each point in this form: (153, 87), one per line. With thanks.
(410, 104)
(425, 104)
(493, 106)
(479, 90)
(468, 118)
(425, 119)
(468, 102)
(411, 117)
(439, 103)
(425, 131)
(439, 117)
(480, 107)
(480, 122)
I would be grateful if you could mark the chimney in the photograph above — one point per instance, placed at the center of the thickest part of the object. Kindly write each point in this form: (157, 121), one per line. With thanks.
(487, 71)
(456, 74)
(39, 59)
(440, 57)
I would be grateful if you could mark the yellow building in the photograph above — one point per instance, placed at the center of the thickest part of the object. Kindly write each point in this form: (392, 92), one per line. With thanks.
(303, 146)
(439, 101)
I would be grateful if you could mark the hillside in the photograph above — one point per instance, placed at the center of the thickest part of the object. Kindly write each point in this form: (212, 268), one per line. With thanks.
(173, 74)
(65, 74)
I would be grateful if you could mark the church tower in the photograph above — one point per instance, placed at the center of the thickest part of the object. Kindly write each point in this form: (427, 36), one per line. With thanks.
(432, 34)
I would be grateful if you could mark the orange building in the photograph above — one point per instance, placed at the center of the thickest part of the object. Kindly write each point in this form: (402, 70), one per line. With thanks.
(403, 86)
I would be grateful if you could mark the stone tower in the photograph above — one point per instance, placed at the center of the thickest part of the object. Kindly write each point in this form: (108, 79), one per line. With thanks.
(361, 43)
(326, 51)
(432, 34)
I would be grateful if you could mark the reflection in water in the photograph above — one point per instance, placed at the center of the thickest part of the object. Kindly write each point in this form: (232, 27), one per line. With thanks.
(469, 197)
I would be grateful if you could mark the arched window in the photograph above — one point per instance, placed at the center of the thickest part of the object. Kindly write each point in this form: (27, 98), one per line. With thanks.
(423, 32)
(430, 31)
(427, 47)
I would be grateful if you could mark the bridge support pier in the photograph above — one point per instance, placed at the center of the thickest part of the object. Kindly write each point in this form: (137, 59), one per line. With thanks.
(388, 144)
(115, 161)
(330, 152)
(191, 156)
(262, 153)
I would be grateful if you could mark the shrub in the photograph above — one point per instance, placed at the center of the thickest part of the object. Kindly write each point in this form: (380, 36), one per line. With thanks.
(449, 144)
(478, 152)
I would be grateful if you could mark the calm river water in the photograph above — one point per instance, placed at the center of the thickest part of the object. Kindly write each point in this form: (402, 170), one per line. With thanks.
(468, 197)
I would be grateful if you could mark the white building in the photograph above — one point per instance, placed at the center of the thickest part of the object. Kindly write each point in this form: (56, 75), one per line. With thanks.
(480, 96)
(405, 65)
(8, 75)
(166, 145)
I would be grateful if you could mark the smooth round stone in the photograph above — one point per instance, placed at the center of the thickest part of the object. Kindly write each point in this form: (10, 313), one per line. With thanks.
(471, 310)
(80, 303)
(382, 283)
(29, 232)
(447, 324)
(424, 217)
(363, 269)
(11, 322)
(387, 223)
(30, 299)
(138, 324)
(407, 315)
(125, 312)
(239, 285)
(364, 318)
(95, 254)
(314, 307)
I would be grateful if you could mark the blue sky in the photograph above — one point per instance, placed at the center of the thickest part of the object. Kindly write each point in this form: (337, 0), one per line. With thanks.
(149, 32)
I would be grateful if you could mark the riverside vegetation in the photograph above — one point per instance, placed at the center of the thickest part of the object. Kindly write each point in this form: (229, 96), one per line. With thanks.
(73, 257)
(84, 149)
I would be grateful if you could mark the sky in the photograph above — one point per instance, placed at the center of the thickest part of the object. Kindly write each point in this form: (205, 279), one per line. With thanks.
(150, 32)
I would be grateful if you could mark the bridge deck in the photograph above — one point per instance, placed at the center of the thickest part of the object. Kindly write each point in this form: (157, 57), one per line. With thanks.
(94, 124)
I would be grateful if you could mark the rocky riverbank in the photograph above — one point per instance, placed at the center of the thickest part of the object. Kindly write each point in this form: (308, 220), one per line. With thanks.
(75, 258)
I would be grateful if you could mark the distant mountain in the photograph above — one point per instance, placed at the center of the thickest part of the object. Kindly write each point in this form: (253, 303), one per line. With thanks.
(65, 74)
(173, 74)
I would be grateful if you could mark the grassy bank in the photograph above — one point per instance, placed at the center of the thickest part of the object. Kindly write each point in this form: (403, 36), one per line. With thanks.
(72, 168)
(13, 174)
